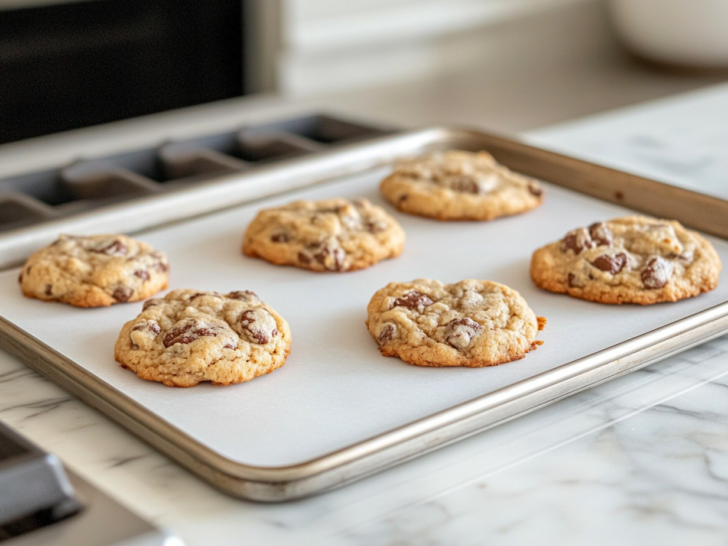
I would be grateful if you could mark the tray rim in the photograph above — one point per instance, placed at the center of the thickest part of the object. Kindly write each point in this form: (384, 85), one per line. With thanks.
(272, 484)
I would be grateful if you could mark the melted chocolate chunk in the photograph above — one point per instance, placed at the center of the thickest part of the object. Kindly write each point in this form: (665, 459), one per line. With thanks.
(535, 189)
(244, 295)
(387, 333)
(279, 237)
(147, 326)
(465, 184)
(460, 332)
(202, 294)
(331, 258)
(656, 273)
(122, 294)
(577, 240)
(375, 226)
(601, 234)
(187, 331)
(611, 263)
(142, 274)
(258, 325)
(413, 300)
(114, 248)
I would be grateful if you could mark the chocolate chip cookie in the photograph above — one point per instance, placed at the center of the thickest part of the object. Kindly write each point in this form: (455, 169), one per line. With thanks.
(329, 235)
(469, 323)
(191, 336)
(628, 260)
(457, 185)
(94, 271)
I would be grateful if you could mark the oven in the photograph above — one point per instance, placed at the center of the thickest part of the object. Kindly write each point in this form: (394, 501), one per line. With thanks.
(66, 65)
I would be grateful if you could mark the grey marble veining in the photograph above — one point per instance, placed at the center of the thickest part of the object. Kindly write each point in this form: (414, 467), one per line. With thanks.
(640, 460)
(679, 140)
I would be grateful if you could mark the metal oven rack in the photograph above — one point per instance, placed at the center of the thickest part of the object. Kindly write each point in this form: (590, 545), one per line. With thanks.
(95, 183)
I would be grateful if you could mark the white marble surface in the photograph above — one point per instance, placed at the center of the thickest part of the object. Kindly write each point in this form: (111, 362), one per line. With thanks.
(640, 460)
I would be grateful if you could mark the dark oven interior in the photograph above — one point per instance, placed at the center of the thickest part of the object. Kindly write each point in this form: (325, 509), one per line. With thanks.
(77, 63)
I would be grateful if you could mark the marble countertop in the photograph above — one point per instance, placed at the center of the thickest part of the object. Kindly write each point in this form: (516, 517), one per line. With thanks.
(642, 459)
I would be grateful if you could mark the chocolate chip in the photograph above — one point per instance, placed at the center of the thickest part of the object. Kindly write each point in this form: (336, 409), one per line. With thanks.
(656, 273)
(245, 295)
(686, 257)
(114, 248)
(375, 226)
(20, 277)
(151, 303)
(331, 258)
(122, 294)
(48, 290)
(184, 333)
(413, 300)
(465, 184)
(161, 266)
(573, 281)
(387, 333)
(535, 189)
(149, 326)
(279, 238)
(27, 270)
(304, 258)
(402, 198)
(611, 263)
(577, 240)
(601, 234)
(187, 331)
(209, 294)
(230, 345)
(569, 243)
(460, 332)
(258, 326)
(142, 274)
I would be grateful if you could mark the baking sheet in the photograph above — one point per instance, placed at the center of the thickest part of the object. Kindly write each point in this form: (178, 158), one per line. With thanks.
(335, 389)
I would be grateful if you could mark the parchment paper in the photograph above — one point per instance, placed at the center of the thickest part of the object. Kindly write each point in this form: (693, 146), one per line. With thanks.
(335, 389)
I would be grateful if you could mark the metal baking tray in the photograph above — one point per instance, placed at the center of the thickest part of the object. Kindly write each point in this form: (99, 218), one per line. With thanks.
(338, 411)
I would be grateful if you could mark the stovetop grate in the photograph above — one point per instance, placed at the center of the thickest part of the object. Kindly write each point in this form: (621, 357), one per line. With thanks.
(95, 183)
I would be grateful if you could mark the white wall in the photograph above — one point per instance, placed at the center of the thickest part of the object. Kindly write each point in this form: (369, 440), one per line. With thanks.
(328, 45)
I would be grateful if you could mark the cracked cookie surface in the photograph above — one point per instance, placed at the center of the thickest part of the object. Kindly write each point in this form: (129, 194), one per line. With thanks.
(459, 185)
(634, 259)
(329, 235)
(94, 271)
(470, 323)
(190, 336)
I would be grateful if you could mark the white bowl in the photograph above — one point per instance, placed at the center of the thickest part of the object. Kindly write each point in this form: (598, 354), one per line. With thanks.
(681, 32)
